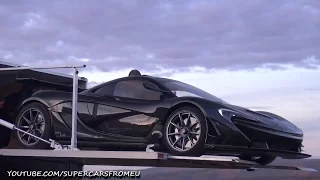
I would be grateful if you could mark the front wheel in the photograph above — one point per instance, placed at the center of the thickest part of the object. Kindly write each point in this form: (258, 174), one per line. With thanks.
(185, 132)
(34, 118)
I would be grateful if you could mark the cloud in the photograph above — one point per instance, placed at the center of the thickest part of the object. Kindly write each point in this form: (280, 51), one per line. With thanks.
(313, 89)
(113, 34)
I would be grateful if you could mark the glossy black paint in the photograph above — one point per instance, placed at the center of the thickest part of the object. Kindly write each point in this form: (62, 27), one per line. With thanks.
(107, 121)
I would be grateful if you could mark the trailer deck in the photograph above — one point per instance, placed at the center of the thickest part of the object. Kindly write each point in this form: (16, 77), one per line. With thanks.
(132, 158)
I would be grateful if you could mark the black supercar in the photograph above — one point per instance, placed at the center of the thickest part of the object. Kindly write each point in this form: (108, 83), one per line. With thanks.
(126, 113)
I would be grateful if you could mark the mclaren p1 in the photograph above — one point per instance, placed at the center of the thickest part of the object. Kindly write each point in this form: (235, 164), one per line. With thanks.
(126, 113)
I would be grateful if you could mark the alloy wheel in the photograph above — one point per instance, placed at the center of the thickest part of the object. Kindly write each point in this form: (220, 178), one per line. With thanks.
(31, 121)
(183, 131)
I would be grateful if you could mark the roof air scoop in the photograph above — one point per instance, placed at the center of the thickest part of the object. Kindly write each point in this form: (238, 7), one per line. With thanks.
(134, 73)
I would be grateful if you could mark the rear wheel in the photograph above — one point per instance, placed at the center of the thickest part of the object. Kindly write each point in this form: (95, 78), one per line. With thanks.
(262, 160)
(185, 132)
(34, 118)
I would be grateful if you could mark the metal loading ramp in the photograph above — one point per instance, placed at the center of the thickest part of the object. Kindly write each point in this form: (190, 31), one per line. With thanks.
(132, 158)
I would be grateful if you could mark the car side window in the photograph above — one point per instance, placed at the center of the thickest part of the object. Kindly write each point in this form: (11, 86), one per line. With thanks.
(134, 89)
(105, 90)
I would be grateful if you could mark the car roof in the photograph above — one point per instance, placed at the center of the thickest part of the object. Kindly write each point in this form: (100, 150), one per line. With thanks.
(162, 80)
(157, 79)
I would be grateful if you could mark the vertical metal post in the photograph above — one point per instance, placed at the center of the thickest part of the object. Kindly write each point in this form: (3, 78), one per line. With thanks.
(74, 109)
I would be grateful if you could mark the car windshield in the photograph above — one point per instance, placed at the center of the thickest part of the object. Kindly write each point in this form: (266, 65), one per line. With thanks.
(181, 89)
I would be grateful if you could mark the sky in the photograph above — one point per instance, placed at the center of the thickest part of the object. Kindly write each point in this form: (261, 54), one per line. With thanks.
(259, 54)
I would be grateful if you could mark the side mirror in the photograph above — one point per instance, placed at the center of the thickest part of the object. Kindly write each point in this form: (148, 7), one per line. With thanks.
(153, 87)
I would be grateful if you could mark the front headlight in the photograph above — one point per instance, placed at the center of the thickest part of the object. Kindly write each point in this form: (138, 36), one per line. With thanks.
(228, 114)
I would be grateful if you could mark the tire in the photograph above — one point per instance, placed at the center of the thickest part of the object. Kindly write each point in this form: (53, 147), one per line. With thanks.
(262, 160)
(42, 110)
(195, 149)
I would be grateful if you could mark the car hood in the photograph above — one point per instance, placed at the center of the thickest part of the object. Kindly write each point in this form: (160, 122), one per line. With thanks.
(268, 120)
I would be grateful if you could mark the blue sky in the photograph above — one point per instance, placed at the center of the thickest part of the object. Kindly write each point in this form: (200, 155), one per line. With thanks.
(259, 54)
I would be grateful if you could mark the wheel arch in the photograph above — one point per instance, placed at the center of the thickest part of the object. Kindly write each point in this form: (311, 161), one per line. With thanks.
(32, 100)
(177, 105)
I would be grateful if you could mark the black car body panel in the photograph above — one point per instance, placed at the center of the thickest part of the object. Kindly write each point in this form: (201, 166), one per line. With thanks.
(106, 120)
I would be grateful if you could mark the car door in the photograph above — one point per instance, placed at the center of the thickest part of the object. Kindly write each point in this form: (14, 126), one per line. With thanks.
(131, 110)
